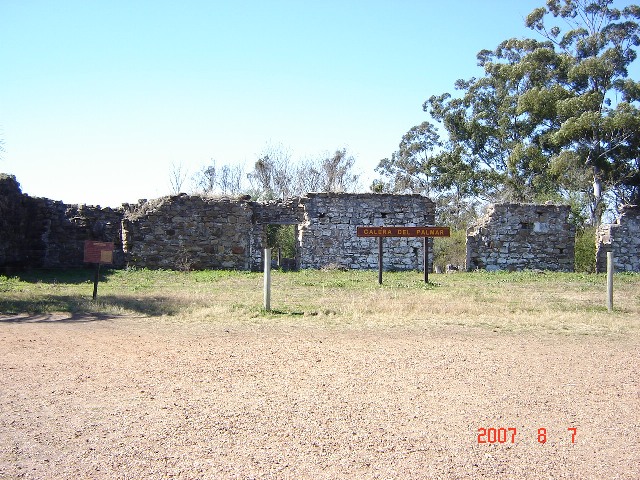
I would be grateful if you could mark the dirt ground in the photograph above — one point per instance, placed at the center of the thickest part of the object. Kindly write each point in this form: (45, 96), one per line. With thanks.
(152, 398)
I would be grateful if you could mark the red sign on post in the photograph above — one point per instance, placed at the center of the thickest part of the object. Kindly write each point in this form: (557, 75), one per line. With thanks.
(403, 232)
(98, 252)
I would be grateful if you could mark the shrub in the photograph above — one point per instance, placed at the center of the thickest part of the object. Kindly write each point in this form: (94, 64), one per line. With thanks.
(283, 237)
(450, 250)
(585, 250)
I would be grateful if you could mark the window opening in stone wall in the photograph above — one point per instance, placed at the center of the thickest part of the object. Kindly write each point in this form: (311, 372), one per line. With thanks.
(283, 240)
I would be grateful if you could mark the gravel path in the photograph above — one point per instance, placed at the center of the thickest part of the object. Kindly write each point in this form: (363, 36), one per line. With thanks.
(150, 398)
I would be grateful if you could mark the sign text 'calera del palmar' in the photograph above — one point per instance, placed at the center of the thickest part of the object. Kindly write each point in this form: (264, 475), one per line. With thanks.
(403, 231)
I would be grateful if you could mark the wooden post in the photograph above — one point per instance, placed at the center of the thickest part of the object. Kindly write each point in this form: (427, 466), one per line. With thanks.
(426, 259)
(267, 279)
(610, 281)
(96, 278)
(380, 260)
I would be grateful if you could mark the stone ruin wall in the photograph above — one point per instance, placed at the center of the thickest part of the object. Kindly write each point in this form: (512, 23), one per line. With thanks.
(623, 239)
(42, 233)
(188, 232)
(194, 232)
(327, 233)
(519, 236)
(197, 232)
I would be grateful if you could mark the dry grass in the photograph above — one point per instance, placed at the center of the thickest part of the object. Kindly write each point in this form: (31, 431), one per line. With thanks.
(524, 301)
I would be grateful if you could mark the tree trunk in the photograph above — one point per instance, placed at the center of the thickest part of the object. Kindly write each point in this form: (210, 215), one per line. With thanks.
(596, 204)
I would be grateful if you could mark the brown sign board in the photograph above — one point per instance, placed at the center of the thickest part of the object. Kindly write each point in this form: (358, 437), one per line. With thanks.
(403, 231)
(98, 252)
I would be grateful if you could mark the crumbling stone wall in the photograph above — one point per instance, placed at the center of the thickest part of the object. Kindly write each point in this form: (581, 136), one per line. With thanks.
(520, 236)
(38, 232)
(623, 239)
(198, 232)
(327, 233)
(189, 232)
(195, 232)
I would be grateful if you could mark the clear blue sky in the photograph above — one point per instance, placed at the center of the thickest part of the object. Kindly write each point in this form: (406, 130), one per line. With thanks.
(99, 98)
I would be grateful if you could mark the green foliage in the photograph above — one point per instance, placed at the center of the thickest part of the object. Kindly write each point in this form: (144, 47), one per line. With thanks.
(450, 250)
(7, 284)
(410, 169)
(283, 237)
(556, 118)
(585, 250)
(596, 105)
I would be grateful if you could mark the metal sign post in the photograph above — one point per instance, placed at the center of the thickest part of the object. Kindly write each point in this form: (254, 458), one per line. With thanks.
(424, 232)
(96, 278)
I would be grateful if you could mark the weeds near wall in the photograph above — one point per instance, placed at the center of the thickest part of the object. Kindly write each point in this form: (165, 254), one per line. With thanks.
(585, 250)
(183, 260)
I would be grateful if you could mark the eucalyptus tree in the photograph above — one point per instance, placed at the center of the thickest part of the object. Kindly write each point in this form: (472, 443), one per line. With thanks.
(272, 174)
(275, 175)
(410, 169)
(551, 117)
(422, 165)
(596, 104)
(336, 172)
(505, 148)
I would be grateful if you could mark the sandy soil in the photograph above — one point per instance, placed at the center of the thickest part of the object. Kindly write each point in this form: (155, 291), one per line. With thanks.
(152, 398)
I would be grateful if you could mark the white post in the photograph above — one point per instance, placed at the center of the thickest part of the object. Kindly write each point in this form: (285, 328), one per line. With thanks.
(610, 281)
(267, 279)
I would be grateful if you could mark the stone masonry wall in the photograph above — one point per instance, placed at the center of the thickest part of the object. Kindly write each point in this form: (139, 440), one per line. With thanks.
(623, 239)
(199, 232)
(38, 232)
(189, 232)
(327, 233)
(519, 236)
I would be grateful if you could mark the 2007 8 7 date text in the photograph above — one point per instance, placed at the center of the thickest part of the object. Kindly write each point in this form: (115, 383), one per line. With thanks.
(508, 435)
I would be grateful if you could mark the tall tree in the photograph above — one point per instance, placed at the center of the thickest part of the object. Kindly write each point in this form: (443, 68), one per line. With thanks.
(546, 116)
(423, 164)
(336, 172)
(597, 105)
(410, 168)
(275, 176)
(272, 177)
(506, 148)
(206, 179)
(224, 180)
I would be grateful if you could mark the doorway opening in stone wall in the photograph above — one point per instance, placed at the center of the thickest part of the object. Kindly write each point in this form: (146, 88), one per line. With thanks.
(450, 253)
(283, 239)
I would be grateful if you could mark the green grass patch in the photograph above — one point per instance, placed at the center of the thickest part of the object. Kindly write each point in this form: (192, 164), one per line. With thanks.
(499, 301)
